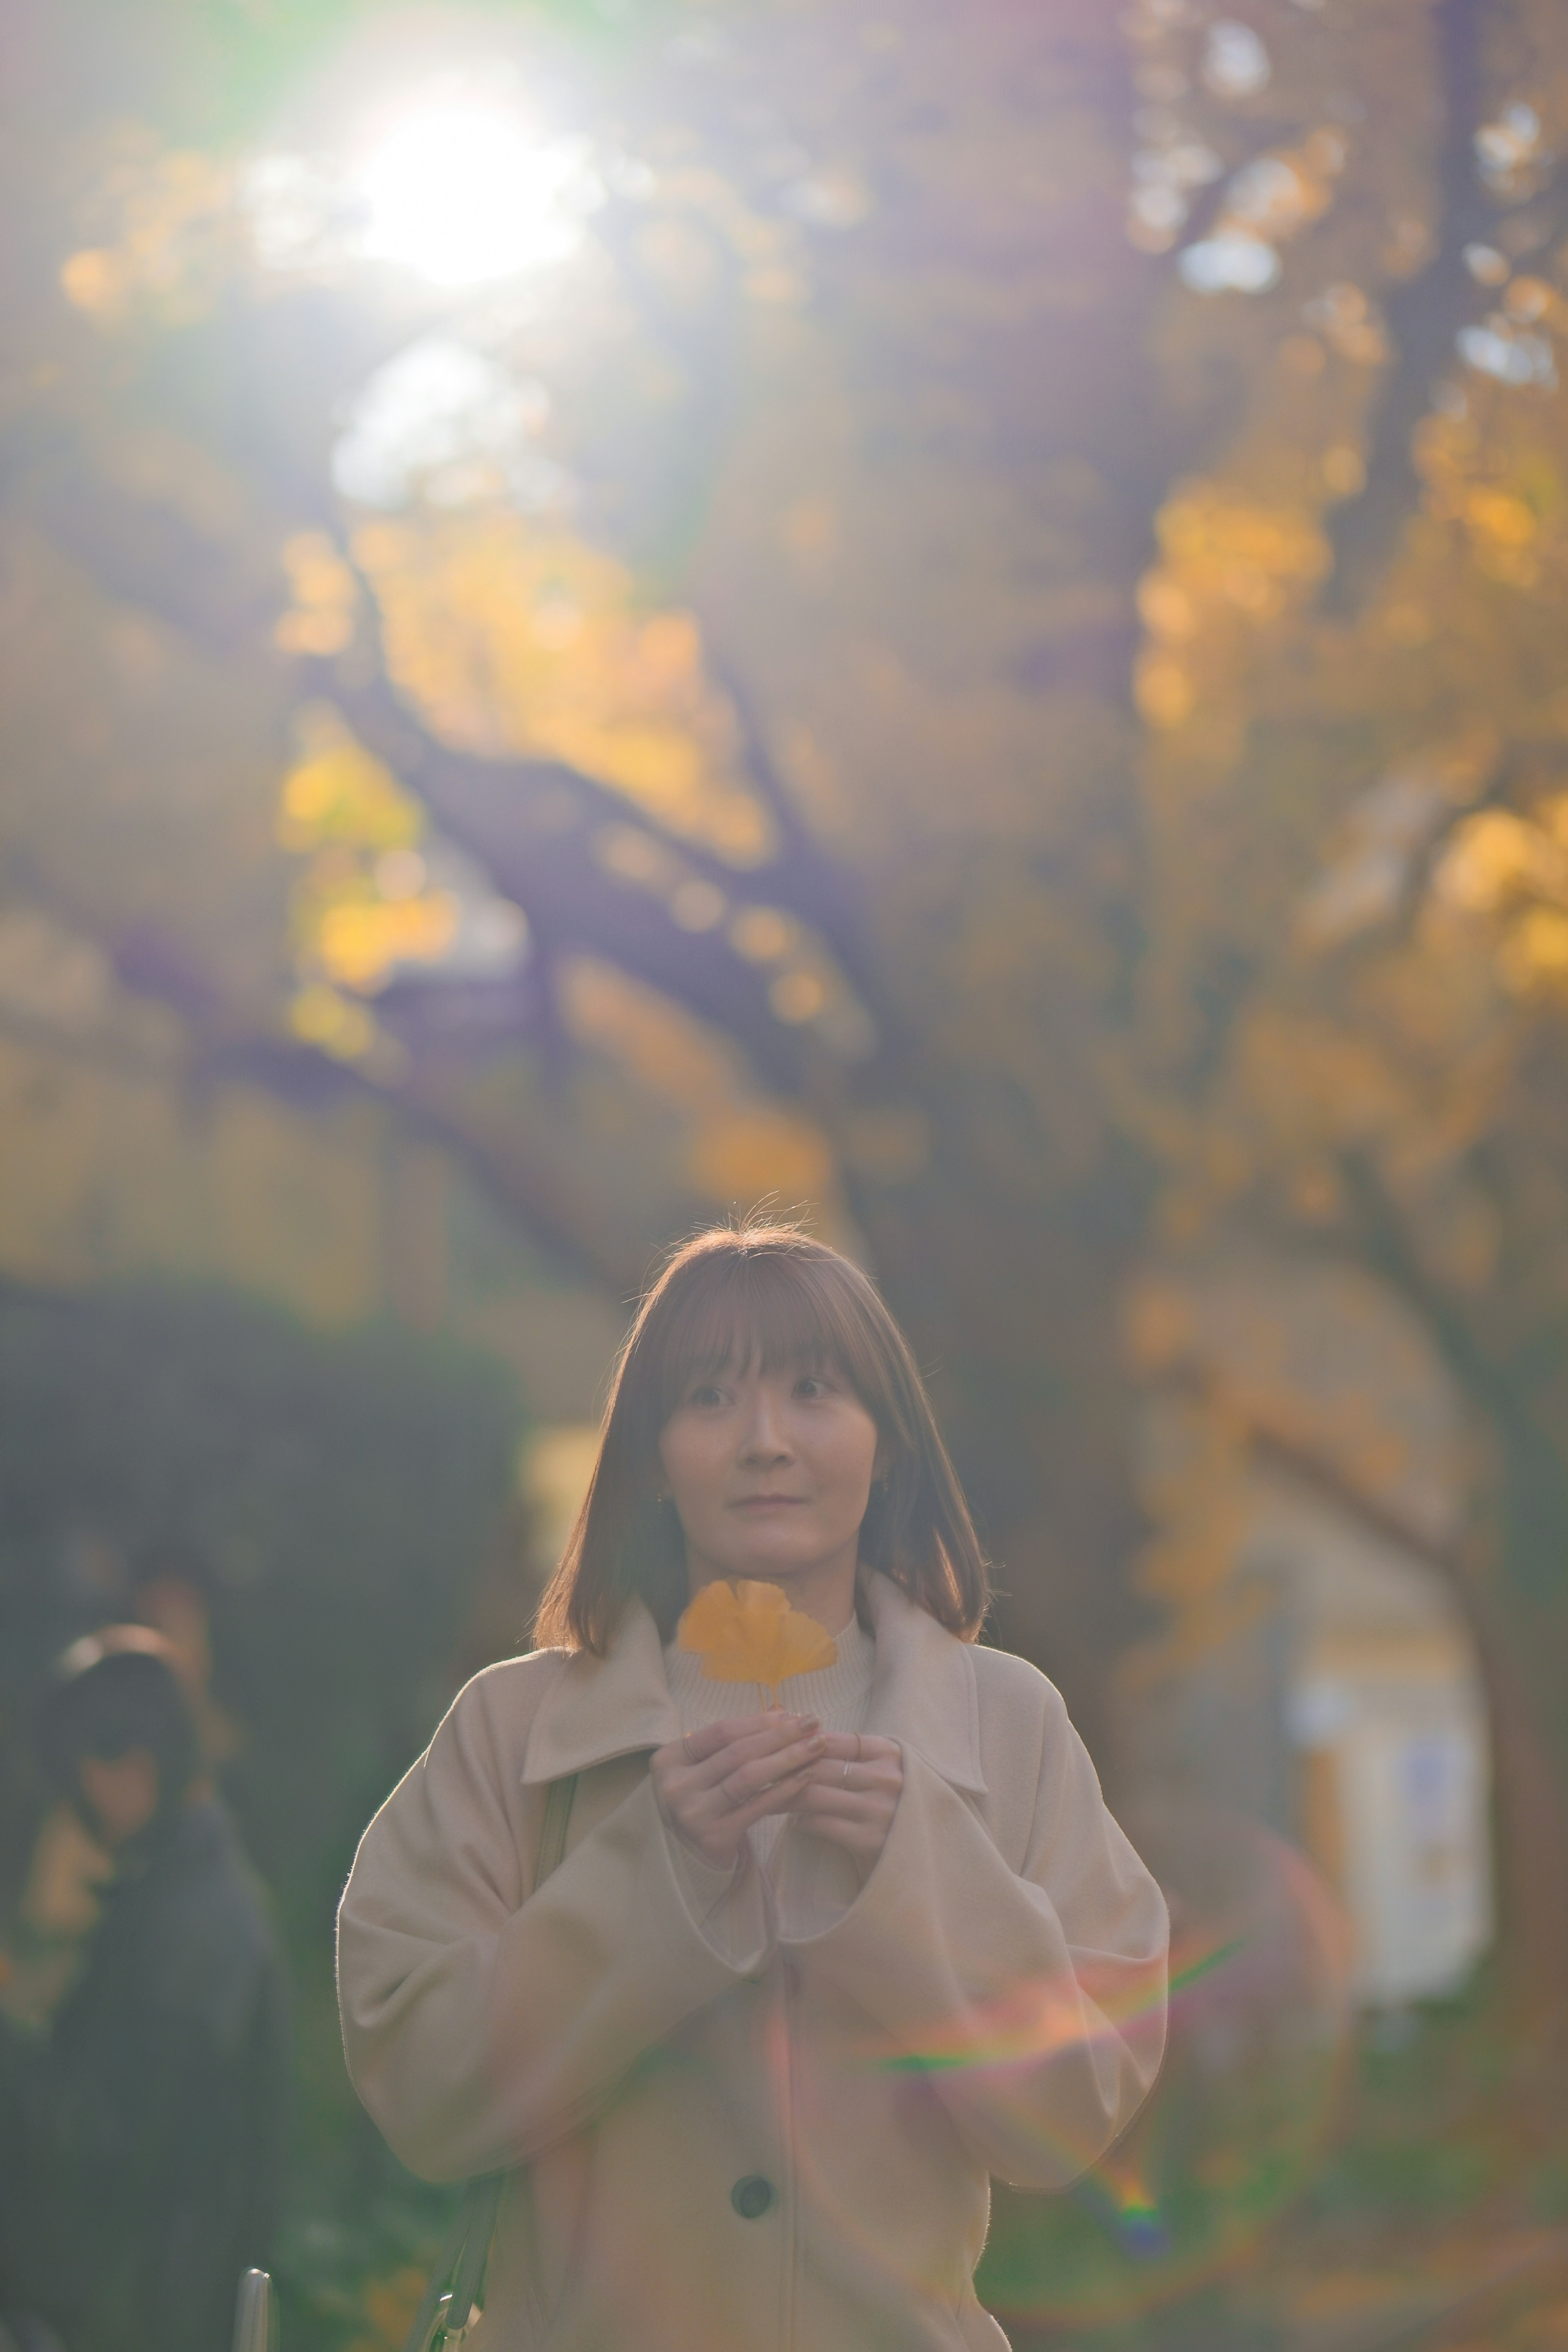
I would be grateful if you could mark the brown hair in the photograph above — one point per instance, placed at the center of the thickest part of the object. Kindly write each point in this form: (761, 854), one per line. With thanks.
(764, 1292)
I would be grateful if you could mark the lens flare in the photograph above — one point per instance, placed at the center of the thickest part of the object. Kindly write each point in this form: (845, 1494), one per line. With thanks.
(464, 191)
(1130, 2206)
(1259, 2033)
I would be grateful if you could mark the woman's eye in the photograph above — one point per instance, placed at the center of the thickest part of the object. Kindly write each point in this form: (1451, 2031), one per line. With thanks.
(811, 1385)
(707, 1394)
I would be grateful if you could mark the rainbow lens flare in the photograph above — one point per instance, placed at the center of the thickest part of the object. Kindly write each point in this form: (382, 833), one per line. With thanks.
(1240, 2117)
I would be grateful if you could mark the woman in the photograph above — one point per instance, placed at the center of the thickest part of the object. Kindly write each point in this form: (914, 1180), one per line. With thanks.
(807, 1974)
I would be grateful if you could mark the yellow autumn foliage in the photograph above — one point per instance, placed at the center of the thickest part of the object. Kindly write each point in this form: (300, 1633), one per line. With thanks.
(515, 638)
(1229, 565)
(359, 942)
(321, 618)
(360, 904)
(739, 1146)
(388, 2308)
(339, 792)
(171, 232)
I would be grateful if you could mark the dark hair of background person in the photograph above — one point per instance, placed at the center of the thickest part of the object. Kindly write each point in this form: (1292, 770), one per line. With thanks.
(767, 1293)
(168, 1560)
(114, 1691)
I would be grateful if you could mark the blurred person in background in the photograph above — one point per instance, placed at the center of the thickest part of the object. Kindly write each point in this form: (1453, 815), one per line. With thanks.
(143, 2087)
(51, 1875)
(806, 1973)
(168, 1587)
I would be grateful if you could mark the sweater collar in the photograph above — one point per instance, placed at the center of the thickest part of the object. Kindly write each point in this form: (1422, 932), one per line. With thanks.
(922, 1694)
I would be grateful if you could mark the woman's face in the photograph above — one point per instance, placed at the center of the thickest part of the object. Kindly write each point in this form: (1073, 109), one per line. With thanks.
(770, 1474)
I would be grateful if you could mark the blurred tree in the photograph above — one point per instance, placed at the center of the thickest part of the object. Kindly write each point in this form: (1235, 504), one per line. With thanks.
(1350, 1033)
(889, 678)
(675, 719)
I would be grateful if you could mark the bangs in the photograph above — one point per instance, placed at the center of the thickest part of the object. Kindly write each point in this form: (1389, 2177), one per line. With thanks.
(765, 1313)
(765, 1297)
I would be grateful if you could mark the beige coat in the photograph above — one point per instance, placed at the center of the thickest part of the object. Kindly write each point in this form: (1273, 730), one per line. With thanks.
(727, 2141)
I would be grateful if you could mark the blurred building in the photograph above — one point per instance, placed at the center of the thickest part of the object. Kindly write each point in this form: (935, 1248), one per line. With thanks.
(1303, 1463)
(1385, 1713)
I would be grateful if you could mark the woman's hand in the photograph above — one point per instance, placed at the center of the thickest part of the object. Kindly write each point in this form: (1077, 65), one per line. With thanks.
(851, 1794)
(713, 1784)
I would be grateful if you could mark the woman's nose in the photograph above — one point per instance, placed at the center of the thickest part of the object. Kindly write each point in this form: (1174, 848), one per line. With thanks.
(767, 1438)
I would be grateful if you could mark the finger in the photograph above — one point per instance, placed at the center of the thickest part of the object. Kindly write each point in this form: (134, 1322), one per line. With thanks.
(884, 1765)
(710, 1738)
(764, 1772)
(863, 1748)
(732, 1822)
(779, 1798)
(765, 1751)
(880, 1752)
(760, 1737)
(877, 1781)
(825, 1801)
(764, 1734)
(681, 1785)
(723, 1800)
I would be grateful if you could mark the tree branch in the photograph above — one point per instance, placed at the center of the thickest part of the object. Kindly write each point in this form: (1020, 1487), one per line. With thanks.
(1425, 316)
(1536, 1487)
(508, 814)
(526, 1189)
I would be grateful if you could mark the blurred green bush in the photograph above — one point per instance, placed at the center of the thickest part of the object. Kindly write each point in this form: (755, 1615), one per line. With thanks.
(335, 1499)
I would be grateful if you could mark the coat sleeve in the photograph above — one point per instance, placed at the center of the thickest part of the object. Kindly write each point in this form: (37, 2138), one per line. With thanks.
(484, 2020)
(1032, 1999)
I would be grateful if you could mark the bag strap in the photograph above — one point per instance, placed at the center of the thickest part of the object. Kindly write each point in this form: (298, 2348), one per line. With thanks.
(552, 1837)
(445, 2311)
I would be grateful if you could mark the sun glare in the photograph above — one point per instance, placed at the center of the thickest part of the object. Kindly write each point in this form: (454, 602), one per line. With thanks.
(464, 192)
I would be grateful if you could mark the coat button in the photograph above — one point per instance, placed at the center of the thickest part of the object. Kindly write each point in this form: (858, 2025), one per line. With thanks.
(752, 2196)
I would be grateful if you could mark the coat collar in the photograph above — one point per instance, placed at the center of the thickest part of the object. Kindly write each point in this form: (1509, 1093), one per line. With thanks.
(922, 1694)
(596, 1708)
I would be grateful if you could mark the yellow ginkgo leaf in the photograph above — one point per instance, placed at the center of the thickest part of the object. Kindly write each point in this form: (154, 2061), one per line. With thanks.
(745, 1632)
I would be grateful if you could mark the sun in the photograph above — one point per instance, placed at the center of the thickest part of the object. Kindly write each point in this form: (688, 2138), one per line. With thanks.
(464, 191)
